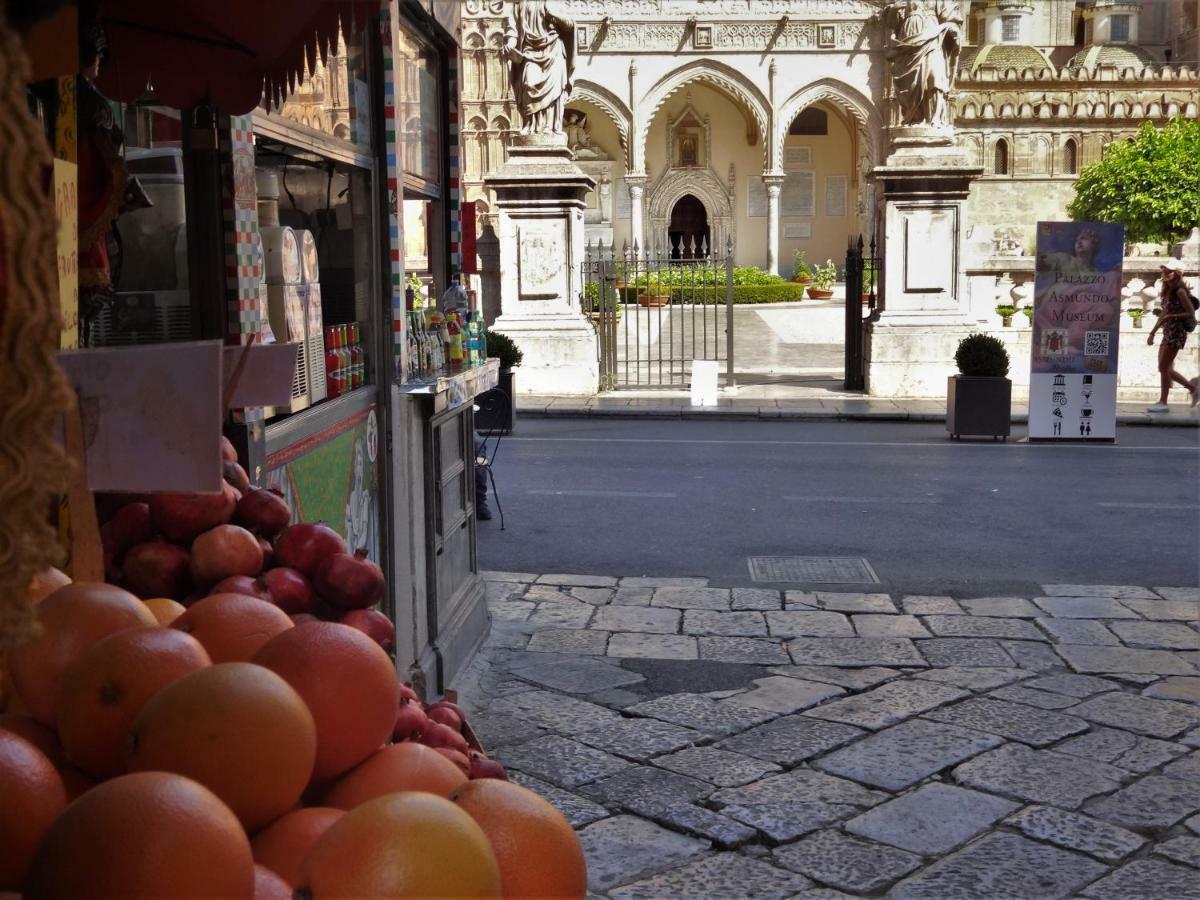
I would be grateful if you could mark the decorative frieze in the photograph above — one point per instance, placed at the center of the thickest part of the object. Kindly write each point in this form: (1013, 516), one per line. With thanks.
(675, 37)
(741, 8)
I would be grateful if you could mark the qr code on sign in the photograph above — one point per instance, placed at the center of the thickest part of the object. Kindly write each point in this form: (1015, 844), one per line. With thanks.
(1096, 343)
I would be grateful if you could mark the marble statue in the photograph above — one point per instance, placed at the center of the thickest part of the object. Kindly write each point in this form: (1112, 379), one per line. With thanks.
(540, 47)
(579, 136)
(926, 40)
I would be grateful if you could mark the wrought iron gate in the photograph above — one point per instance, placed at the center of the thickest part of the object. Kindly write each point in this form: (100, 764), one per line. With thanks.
(864, 275)
(657, 310)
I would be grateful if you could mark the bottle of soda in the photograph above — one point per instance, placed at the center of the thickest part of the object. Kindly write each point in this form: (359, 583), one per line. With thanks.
(456, 342)
(344, 356)
(358, 360)
(332, 362)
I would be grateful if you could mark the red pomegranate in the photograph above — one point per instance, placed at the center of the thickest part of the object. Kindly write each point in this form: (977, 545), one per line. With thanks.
(374, 625)
(131, 525)
(158, 569)
(184, 517)
(264, 511)
(305, 546)
(435, 735)
(223, 551)
(443, 715)
(268, 553)
(410, 721)
(407, 692)
(482, 767)
(245, 585)
(350, 581)
(289, 590)
(236, 476)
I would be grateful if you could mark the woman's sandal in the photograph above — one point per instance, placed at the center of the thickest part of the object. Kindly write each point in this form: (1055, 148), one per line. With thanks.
(1194, 387)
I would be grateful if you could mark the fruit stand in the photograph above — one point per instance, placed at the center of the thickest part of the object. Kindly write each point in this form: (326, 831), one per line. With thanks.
(207, 699)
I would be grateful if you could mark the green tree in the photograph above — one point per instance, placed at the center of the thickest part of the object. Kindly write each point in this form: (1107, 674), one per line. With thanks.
(1150, 184)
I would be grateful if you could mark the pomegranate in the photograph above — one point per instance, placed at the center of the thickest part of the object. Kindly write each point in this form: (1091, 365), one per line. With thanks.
(374, 625)
(300, 618)
(244, 585)
(131, 525)
(443, 715)
(184, 517)
(410, 722)
(453, 707)
(436, 735)
(223, 551)
(407, 692)
(158, 569)
(482, 767)
(289, 590)
(350, 581)
(459, 759)
(268, 553)
(236, 475)
(228, 451)
(264, 511)
(306, 545)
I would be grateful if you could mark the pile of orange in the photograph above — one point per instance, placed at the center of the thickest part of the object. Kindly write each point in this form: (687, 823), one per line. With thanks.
(220, 751)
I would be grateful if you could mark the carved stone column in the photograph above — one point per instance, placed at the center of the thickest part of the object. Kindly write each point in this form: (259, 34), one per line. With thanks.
(774, 184)
(637, 218)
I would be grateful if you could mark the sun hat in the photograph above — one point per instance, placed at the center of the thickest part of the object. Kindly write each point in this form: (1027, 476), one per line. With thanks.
(1174, 265)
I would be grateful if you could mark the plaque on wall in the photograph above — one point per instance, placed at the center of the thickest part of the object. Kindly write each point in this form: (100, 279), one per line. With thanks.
(798, 197)
(835, 194)
(540, 270)
(622, 206)
(794, 157)
(795, 230)
(756, 197)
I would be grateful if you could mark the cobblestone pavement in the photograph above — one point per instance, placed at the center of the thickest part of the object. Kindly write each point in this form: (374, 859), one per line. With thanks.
(711, 742)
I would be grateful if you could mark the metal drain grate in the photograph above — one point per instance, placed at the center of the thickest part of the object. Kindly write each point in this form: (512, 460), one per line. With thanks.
(813, 569)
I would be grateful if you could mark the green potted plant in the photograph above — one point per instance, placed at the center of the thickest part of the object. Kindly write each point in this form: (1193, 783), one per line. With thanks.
(592, 306)
(870, 278)
(1136, 314)
(979, 397)
(1005, 311)
(656, 291)
(822, 281)
(1028, 311)
(801, 271)
(498, 407)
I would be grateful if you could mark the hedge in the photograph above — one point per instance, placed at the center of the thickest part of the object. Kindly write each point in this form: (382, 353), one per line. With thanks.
(742, 293)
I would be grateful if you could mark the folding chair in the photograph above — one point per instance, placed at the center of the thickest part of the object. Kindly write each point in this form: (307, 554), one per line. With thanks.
(495, 404)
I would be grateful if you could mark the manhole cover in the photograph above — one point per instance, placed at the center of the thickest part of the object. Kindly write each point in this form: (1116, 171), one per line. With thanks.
(813, 569)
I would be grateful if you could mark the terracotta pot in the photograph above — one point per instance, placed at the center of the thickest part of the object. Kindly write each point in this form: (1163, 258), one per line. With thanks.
(1006, 321)
(802, 279)
(820, 293)
(654, 299)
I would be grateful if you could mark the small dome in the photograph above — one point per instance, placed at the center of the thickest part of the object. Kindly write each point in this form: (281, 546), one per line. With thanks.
(1004, 57)
(1120, 56)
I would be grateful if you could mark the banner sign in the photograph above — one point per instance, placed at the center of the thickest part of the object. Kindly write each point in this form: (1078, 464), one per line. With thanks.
(1076, 328)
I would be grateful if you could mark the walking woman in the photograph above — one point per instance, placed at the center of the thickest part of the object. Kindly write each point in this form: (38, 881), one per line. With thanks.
(1177, 315)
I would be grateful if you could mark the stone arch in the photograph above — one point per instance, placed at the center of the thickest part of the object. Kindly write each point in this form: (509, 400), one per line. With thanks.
(612, 106)
(841, 95)
(477, 124)
(725, 78)
(499, 123)
(705, 187)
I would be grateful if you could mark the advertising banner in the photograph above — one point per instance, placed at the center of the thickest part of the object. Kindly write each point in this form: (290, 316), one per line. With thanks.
(1076, 327)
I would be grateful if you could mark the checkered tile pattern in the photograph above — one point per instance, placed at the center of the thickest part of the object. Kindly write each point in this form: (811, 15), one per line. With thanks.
(395, 247)
(454, 193)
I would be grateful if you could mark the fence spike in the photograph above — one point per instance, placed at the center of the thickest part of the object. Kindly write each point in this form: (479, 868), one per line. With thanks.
(703, 246)
(860, 244)
(729, 243)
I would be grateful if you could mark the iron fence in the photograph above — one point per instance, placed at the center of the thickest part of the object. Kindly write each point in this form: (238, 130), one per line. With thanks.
(864, 275)
(656, 310)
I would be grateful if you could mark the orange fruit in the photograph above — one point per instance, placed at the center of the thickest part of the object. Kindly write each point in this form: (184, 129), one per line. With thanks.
(394, 768)
(73, 619)
(232, 627)
(165, 609)
(106, 689)
(269, 886)
(31, 797)
(348, 682)
(45, 583)
(402, 845)
(238, 729)
(75, 781)
(536, 848)
(283, 845)
(150, 834)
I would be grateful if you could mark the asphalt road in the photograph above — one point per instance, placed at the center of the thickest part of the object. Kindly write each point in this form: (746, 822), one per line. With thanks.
(696, 498)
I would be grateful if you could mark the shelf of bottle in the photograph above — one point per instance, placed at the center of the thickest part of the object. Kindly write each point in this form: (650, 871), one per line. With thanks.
(451, 391)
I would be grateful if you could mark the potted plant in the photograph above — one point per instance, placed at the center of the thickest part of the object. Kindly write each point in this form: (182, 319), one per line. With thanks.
(870, 279)
(801, 271)
(497, 407)
(592, 305)
(979, 398)
(1136, 314)
(1028, 311)
(656, 291)
(1005, 311)
(822, 281)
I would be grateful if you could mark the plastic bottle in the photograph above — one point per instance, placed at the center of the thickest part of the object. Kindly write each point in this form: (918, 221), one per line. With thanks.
(455, 297)
(358, 354)
(456, 342)
(332, 363)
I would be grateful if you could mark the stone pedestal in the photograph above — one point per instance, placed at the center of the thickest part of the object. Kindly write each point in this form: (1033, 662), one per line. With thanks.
(925, 308)
(541, 196)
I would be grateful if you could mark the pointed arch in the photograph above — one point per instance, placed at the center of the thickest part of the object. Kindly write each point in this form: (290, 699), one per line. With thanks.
(612, 105)
(841, 95)
(1000, 159)
(726, 79)
(1070, 157)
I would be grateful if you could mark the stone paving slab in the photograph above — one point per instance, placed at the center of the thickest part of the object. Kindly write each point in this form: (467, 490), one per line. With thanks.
(1001, 866)
(876, 625)
(623, 645)
(1080, 686)
(846, 862)
(1143, 715)
(1187, 768)
(889, 703)
(497, 729)
(932, 820)
(592, 595)
(1133, 752)
(756, 599)
(561, 761)
(710, 622)
(511, 610)
(622, 849)
(1040, 699)
(1117, 592)
(786, 695)
(692, 598)
(569, 640)
(596, 581)
(577, 810)
(930, 605)
(809, 623)
(1147, 879)
(719, 875)
(637, 581)
(642, 619)
(632, 596)
(901, 756)
(1031, 656)
(1067, 607)
(554, 711)
(1078, 631)
(645, 789)
(941, 652)
(561, 613)
(1104, 660)
(743, 650)
(640, 739)
(1182, 849)
(522, 577)
(716, 717)
(722, 768)
(1077, 832)
(578, 676)
(980, 678)
(1180, 594)
(798, 786)
(704, 823)
(1039, 776)
(1182, 688)
(1004, 607)
(855, 603)
(791, 739)
(851, 679)
(1016, 721)
(1157, 635)
(1153, 802)
(983, 627)
(854, 652)
(1165, 610)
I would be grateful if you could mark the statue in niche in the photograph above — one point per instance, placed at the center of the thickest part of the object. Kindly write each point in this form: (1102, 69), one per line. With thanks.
(688, 155)
(540, 47)
(926, 41)
(579, 137)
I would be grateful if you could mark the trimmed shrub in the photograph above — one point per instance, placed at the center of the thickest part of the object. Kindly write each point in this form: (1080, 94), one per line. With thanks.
(982, 355)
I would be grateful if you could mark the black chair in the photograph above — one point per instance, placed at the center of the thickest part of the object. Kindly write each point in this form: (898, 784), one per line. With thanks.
(492, 407)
